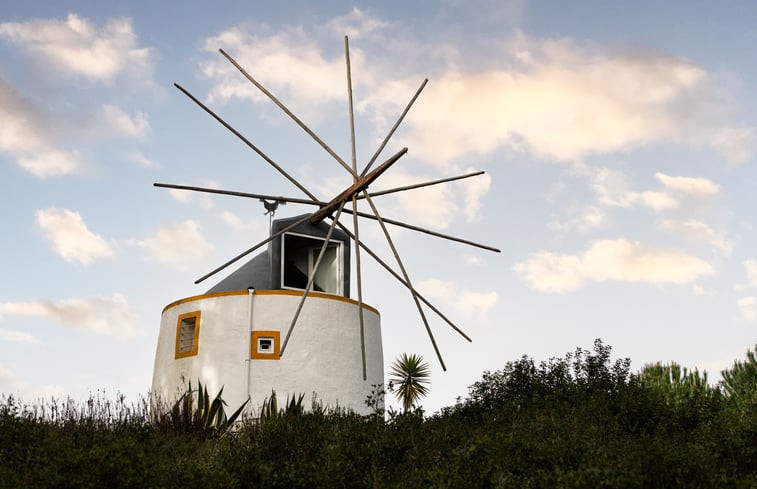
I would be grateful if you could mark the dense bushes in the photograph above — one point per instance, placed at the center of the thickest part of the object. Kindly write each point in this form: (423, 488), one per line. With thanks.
(577, 421)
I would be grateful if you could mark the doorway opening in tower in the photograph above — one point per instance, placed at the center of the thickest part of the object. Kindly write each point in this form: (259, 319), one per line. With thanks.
(299, 255)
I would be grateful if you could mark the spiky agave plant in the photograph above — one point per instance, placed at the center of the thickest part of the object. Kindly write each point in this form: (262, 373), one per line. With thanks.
(410, 379)
(208, 416)
(270, 408)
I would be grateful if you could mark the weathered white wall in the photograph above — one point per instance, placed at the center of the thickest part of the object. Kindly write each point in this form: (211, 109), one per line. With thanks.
(322, 356)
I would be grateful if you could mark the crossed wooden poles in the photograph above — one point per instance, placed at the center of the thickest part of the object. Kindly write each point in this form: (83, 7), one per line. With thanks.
(357, 191)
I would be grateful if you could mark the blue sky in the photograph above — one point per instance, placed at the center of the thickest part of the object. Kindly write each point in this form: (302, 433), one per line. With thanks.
(618, 144)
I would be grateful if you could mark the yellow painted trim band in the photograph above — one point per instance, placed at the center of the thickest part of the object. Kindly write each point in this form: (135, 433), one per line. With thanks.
(319, 295)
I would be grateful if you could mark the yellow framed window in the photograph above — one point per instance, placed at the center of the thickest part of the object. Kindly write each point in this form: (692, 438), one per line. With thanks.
(187, 334)
(266, 345)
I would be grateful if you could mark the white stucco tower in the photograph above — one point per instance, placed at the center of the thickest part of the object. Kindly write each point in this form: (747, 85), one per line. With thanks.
(231, 336)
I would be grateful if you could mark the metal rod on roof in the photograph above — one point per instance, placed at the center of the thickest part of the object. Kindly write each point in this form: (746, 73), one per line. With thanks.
(394, 128)
(250, 250)
(246, 141)
(423, 184)
(400, 280)
(287, 112)
(291, 200)
(310, 280)
(354, 206)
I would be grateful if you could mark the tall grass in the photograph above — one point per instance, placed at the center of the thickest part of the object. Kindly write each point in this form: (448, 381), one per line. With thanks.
(98, 410)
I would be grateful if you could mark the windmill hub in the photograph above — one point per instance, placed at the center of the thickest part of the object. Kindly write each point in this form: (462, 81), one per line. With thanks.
(357, 187)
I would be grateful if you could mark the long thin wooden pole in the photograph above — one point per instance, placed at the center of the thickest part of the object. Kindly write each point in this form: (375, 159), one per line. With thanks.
(354, 206)
(394, 128)
(407, 279)
(400, 280)
(426, 231)
(310, 281)
(423, 184)
(289, 200)
(286, 111)
(246, 141)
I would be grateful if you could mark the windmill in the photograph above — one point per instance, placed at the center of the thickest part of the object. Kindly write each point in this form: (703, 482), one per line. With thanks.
(325, 210)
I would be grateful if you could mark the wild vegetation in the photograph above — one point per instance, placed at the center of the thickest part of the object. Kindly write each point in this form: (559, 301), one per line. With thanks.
(581, 420)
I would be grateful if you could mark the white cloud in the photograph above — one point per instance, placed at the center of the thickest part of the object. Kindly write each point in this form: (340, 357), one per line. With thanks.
(25, 134)
(109, 316)
(17, 336)
(356, 24)
(657, 201)
(693, 187)
(552, 272)
(142, 160)
(70, 236)
(562, 102)
(236, 223)
(178, 246)
(698, 231)
(474, 189)
(751, 271)
(617, 260)
(201, 199)
(613, 190)
(748, 308)
(588, 218)
(471, 259)
(700, 291)
(50, 163)
(123, 124)
(553, 98)
(735, 143)
(280, 62)
(76, 46)
(465, 301)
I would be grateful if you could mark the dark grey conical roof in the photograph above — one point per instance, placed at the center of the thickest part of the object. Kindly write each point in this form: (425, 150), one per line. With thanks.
(256, 273)
(264, 270)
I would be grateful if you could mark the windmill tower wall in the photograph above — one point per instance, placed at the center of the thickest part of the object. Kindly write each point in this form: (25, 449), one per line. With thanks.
(231, 337)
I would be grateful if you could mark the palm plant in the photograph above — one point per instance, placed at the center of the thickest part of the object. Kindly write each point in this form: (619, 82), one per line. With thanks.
(410, 379)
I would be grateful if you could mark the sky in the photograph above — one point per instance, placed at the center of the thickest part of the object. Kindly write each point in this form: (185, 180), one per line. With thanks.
(618, 143)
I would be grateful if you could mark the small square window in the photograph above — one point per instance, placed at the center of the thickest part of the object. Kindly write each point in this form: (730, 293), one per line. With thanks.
(265, 345)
